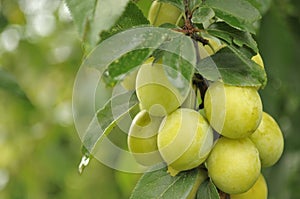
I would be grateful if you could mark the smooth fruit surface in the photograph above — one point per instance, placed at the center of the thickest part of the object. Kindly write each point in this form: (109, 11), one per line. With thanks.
(269, 141)
(184, 140)
(161, 13)
(234, 165)
(155, 92)
(142, 138)
(258, 191)
(234, 112)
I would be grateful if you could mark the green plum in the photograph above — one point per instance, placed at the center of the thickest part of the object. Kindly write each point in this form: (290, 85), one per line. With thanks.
(234, 112)
(234, 165)
(269, 141)
(184, 140)
(142, 138)
(161, 13)
(258, 191)
(155, 92)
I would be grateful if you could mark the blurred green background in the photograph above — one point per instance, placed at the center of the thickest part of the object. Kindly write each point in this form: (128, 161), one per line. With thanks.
(39, 148)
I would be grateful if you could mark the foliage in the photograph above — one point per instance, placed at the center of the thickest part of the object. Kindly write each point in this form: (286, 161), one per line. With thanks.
(38, 143)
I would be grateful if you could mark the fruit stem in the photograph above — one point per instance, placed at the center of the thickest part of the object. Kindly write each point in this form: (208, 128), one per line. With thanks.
(201, 83)
(223, 195)
(189, 29)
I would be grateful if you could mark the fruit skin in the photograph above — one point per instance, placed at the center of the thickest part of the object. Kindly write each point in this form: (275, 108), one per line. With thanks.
(155, 92)
(234, 165)
(258, 191)
(184, 140)
(161, 13)
(142, 138)
(269, 141)
(234, 112)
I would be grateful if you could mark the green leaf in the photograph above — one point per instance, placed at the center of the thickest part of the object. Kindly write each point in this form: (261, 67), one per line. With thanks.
(9, 83)
(232, 35)
(102, 60)
(234, 67)
(92, 17)
(261, 5)
(237, 13)
(160, 184)
(144, 5)
(179, 71)
(207, 190)
(194, 4)
(132, 16)
(178, 58)
(150, 39)
(107, 118)
(117, 69)
(202, 15)
(178, 3)
(82, 13)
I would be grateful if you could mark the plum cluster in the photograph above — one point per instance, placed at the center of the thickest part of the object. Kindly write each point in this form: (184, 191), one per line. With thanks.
(232, 137)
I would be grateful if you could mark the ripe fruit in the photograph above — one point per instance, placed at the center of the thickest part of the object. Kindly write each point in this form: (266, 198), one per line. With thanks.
(142, 138)
(258, 191)
(155, 92)
(234, 165)
(234, 112)
(184, 140)
(161, 13)
(269, 141)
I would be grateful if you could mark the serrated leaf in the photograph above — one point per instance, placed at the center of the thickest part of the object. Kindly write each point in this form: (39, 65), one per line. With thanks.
(178, 3)
(124, 64)
(92, 17)
(237, 13)
(9, 83)
(132, 16)
(202, 15)
(106, 119)
(207, 190)
(232, 66)
(232, 35)
(82, 13)
(159, 184)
